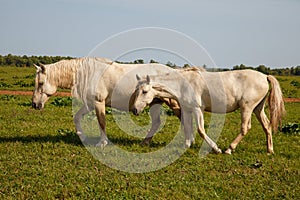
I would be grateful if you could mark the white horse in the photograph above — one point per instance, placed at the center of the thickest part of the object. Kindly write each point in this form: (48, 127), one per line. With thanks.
(96, 81)
(218, 92)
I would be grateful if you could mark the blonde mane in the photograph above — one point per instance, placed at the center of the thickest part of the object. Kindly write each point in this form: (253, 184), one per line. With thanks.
(59, 73)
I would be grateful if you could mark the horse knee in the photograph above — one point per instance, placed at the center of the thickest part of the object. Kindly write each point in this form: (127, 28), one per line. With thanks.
(201, 133)
(244, 132)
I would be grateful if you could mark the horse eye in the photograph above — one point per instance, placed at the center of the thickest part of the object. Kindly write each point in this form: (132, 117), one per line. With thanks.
(144, 92)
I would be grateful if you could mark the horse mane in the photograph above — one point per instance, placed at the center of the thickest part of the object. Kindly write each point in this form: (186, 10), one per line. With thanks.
(194, 69)
(63, 73)
(87, 77)
(59, 73)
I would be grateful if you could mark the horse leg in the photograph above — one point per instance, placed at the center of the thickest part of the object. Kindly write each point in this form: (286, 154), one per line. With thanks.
(100, 112)
(187, 122)
(264, 121)
(245, 126)
(200, 128)
(77, 118)
(155, 118)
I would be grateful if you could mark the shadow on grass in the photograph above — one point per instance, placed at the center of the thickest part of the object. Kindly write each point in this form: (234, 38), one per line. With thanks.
(73, 139)
(68, 139)
(124, 141)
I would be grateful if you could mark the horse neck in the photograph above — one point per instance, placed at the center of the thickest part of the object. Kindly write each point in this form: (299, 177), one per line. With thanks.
(162, 91)
(61, 74)
(175, 85)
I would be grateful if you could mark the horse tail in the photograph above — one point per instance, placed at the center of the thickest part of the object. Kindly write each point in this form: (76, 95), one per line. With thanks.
(276, 104)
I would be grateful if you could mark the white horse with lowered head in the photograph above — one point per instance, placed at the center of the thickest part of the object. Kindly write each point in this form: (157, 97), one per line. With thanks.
(96, 81)
(217, 92)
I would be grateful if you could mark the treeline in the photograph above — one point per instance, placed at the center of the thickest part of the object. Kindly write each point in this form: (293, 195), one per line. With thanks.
(292, 71)
(27, 61)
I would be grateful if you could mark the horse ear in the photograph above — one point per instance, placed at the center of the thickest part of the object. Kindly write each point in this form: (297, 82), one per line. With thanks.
(148, 79)
(43, 68)
(138, 77)
(37, 67)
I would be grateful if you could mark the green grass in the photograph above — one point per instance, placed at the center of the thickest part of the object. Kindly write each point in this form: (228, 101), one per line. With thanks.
(17, 78)
(290, 86)
(42, 158)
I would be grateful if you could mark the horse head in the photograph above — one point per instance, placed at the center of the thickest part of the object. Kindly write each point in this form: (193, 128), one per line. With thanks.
(43, 88)
(144, 94)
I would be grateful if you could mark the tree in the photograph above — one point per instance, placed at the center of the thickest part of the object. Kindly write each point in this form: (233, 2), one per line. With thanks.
(153, 61)
(262, 69)
(139, 61)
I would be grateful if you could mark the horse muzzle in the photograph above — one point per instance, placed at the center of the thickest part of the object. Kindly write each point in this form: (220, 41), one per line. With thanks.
(135, 111)
(37, 106)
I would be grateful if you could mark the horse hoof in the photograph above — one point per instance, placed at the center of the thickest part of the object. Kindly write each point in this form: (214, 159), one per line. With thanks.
(270, 152)
(228, 152)
(81, 136)
(102, 144)
(146, 141)
(218, 151)
(188, 144)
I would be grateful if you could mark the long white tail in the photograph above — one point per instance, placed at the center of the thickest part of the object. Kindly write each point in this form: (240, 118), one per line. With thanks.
(276, 103)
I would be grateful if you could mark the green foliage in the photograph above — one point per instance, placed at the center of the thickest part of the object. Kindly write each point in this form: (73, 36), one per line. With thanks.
(288, 86)
(5, 85)
(293, 71)
(295, 83)
(62, 101)
(42, 157)
(22, 83)
(9, 97)
(27, 61)
(291, 128)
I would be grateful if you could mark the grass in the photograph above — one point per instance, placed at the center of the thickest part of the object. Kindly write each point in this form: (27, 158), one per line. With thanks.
(42, 158)
(16, 78)
(290, 86)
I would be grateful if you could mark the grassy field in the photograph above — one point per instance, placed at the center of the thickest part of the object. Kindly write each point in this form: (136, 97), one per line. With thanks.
(42, 158)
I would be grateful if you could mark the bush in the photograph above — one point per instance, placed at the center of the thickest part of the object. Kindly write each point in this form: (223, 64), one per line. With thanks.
(291, 128)
(295, 83)
(62, 101)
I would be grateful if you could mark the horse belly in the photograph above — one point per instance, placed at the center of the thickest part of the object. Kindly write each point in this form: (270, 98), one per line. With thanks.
(221, 105)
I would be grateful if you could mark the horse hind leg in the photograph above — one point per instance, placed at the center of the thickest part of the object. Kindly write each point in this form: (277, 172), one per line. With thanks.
(264, 121)
(245, 126)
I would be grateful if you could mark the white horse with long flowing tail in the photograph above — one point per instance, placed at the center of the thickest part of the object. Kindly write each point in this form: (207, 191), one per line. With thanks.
(217, 92)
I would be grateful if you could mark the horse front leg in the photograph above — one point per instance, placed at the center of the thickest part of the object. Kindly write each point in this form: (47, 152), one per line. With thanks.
(200, 128)
(77, 118)
(155, 118)
(100, 112)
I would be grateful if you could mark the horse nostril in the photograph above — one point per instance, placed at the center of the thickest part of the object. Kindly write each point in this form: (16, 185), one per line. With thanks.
(135, 111)
(34, 105)
(40, 106)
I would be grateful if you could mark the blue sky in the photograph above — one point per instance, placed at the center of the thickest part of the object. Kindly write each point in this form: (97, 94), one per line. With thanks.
(232, 31)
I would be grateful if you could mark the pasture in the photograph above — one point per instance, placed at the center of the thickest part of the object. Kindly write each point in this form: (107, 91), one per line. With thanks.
(41, 157)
